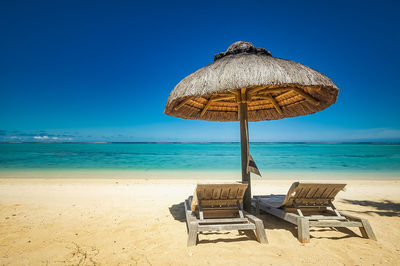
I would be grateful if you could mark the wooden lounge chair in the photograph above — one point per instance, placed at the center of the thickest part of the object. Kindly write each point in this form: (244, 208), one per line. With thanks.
(215, 207)
(308, 198)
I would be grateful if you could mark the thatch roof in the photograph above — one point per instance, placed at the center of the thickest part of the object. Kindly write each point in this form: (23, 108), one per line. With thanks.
(273, 88)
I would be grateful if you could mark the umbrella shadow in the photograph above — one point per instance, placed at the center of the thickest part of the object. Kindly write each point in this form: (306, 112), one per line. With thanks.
(386, 208)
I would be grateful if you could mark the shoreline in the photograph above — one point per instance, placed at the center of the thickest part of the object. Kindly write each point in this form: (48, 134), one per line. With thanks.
(195, 174)
(258, 186)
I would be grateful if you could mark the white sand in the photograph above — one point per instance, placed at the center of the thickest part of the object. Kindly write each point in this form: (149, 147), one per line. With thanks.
(139, 221)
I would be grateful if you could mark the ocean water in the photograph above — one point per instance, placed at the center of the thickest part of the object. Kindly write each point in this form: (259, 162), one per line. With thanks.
(200, 156)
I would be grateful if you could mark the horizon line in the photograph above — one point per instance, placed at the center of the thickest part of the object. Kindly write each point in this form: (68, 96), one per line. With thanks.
(200, 142)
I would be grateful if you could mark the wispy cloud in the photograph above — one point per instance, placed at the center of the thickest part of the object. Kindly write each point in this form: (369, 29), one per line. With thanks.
(41, 137)
(34, 136)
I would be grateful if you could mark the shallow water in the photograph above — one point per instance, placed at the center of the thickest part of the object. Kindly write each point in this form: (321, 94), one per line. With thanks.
(200, 156)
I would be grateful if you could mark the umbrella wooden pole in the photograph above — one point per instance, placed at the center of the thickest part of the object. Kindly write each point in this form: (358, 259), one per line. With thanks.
(244, 147)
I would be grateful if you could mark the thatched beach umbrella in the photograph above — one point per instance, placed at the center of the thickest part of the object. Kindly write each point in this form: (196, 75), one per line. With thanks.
(246, 83)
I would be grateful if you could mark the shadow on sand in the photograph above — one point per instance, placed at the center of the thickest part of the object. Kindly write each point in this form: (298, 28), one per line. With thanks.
(274, 223)
(178, 212)
(383, 208)
(270, 223)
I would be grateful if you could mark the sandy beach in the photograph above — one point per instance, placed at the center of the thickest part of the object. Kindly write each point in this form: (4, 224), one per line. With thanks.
(78, 221)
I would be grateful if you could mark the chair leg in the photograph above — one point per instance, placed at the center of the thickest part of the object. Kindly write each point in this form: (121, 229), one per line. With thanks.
(260, 232)
(366, 230)
(192, 238)
(303, 230)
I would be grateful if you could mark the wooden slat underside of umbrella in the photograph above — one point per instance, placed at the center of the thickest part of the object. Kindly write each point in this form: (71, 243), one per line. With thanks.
(264, 103)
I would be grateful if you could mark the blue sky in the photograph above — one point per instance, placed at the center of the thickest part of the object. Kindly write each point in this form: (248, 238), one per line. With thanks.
(103, 70)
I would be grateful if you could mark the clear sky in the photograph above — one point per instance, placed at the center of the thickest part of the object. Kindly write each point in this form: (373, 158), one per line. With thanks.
(103, 70)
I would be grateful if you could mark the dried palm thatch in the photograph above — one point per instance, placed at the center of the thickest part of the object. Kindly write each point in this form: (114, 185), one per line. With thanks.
(273, 88)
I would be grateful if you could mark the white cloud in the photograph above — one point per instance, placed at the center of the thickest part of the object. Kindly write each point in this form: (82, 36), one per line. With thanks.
(41, 137)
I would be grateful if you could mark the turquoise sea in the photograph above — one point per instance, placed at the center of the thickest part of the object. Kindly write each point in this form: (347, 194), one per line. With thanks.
(201, 156)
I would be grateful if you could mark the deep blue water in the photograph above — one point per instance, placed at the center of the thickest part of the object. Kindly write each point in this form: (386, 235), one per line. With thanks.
(200, 156)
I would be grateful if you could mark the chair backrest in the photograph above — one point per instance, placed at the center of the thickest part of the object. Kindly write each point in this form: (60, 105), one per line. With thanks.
(309, 194)
(218, 195)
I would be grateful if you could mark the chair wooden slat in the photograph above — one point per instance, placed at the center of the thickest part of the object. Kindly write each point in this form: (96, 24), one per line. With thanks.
(326, 192)
(233, 193)
(224, 193)
(301, 192)
(320, 192)
(311, 192)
